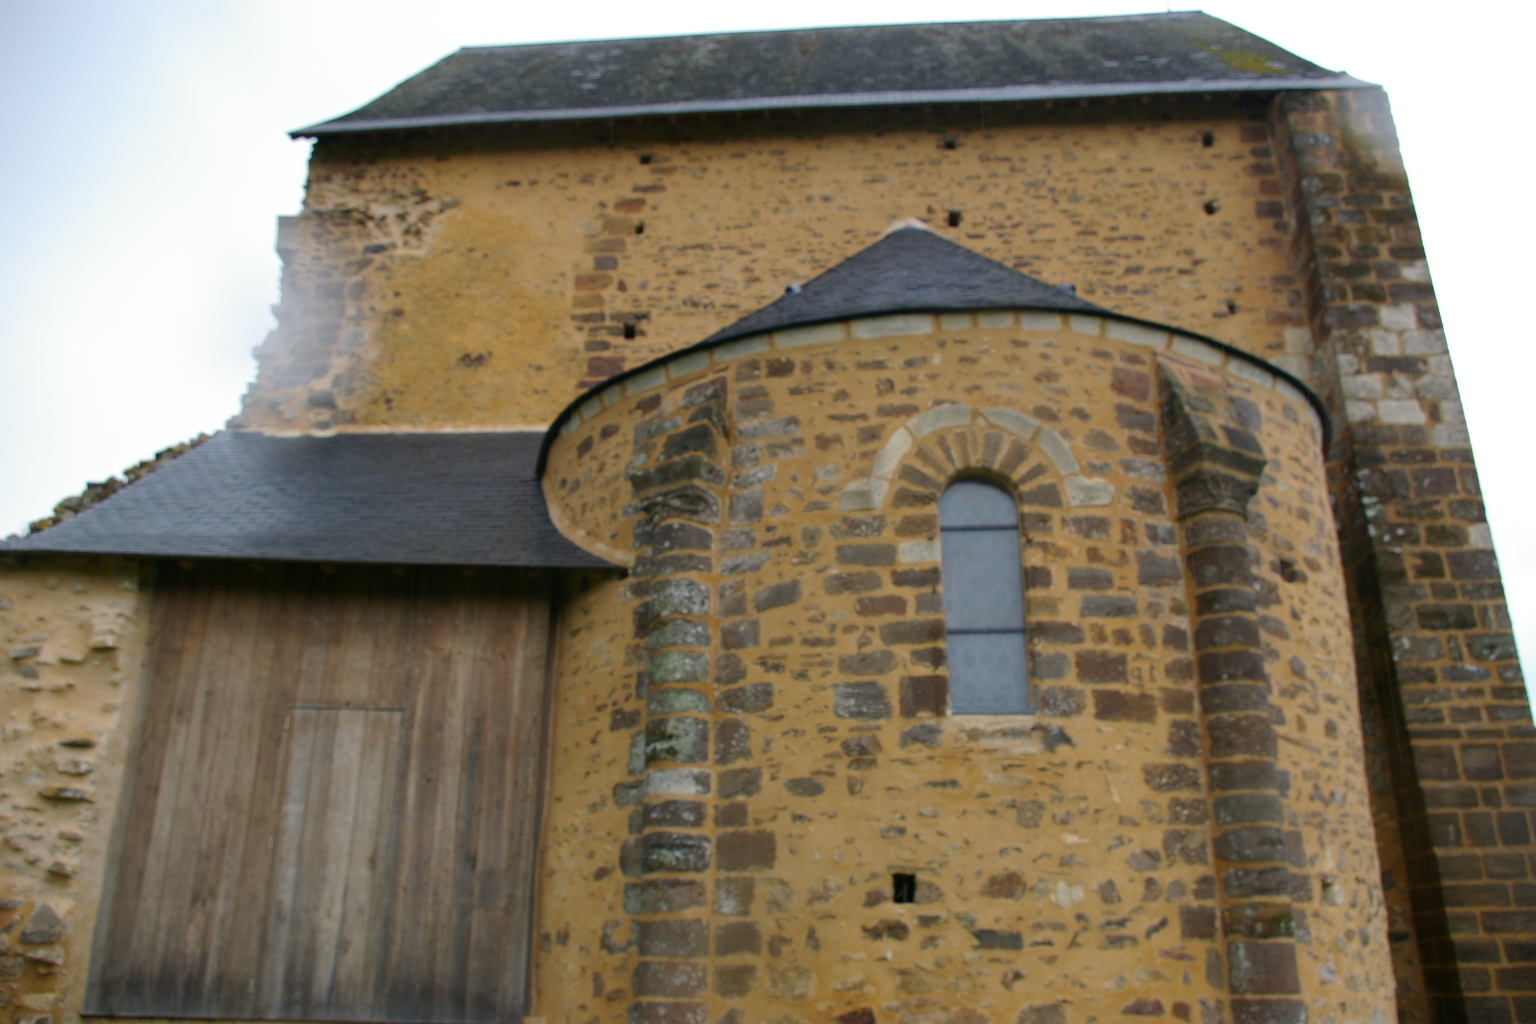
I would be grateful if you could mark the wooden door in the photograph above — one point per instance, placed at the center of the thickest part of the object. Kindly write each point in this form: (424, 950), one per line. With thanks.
(332, 807)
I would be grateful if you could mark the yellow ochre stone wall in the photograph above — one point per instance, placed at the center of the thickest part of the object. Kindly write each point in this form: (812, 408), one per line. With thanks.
(75, 631)
(751, 734)
(486, 278)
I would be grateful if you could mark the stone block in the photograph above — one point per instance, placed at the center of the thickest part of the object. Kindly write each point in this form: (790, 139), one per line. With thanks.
(674, 851)
(746, 850)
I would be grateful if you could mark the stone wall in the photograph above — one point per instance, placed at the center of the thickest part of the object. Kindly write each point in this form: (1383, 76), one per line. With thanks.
(486, 276)
(74, 632)
(1182, 830)
(1448, 707)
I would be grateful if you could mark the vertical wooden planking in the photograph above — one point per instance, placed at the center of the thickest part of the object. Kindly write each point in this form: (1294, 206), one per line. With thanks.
(333, 801)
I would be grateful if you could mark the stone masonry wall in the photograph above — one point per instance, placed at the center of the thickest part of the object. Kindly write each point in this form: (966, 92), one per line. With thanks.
(486, 276)
(74, 633)
(1074, 865)
(1436, 656)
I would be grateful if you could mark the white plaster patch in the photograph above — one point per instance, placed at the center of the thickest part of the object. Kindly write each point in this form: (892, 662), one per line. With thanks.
(816, 334)
(1197, 350)
(942, 418)
(1358, 411)
(740, 347)
(1136, 334)
(1012, 421)
(1480, 536)
(954, 321)
(918, 551)
(995, 318)
(901, 325)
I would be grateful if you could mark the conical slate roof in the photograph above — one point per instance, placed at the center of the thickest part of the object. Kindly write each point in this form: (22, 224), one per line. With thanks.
(910, 270)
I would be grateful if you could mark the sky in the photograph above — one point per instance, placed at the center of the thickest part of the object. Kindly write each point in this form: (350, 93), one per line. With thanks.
(146, 159)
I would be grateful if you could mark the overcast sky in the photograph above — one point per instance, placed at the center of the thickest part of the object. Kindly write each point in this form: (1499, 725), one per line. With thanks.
(146, 159)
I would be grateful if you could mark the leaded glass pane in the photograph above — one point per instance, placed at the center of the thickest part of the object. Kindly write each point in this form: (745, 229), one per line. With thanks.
(983, 600)
(973, 503)
(986, 674)
(983, 582)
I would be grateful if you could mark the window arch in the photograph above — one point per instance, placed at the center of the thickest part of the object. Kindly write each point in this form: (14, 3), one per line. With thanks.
(983, 600)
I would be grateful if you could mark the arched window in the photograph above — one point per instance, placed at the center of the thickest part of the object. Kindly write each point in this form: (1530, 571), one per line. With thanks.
(983, 600)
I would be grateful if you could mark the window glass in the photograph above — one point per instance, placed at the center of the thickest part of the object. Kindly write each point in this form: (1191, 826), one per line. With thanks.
(983, 600)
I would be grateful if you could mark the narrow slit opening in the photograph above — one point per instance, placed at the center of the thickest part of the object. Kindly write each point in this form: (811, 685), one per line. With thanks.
(904, 888)
(629, 332)
(954, 218)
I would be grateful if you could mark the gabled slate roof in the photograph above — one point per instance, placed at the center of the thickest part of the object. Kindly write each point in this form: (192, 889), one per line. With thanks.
(994, 61)
(400, 499)
(909, 270)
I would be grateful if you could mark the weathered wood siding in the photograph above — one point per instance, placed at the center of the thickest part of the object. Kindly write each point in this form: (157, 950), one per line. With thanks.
(334, 804)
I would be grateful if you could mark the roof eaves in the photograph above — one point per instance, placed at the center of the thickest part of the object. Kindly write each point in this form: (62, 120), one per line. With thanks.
(1002, 94)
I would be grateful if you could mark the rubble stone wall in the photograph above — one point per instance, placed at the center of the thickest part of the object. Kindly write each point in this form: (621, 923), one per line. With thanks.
(753, 735)
(74, 633)
(488, 275)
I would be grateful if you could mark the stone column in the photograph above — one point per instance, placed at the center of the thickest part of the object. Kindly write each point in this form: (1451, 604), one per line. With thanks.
(1215, 462)
(679, 488)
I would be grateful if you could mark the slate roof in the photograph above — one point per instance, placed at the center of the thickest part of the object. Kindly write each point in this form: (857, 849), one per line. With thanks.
(400, 499)
(909, 270)
(994, 61)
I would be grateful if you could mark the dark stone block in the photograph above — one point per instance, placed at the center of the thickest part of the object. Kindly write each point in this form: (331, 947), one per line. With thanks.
(1167, 778)
(1060, 701)
(926, 578)
(740, 782)
(1226, 698)
(1270, 1011)
(745, 850)
(917, 631)
(885, 604)
(777, 596)
(1244, 808)
(926, 735)
(674, 814)
(1102, 606)
(1227, 666)
(864, 700)
(738, 937)
(662, 896)
(866, 554)
(867, 663)
(1251, 844)
(1250, 883)
(805, 786)
(678, 740)
(989, 938)
(669, 1012)
(1079, 578)
(674, 851)
(733, 981)
(853, 582)
(1226, 631)
(1155, 570)
(1233, 736)
(1100, 667)
(923, 696)
(1197, 923)
(740, 634)
(666, 978)
(1480, 762)
(1184, 739)
(747, 699)
(733, 741)
(1122, 706)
